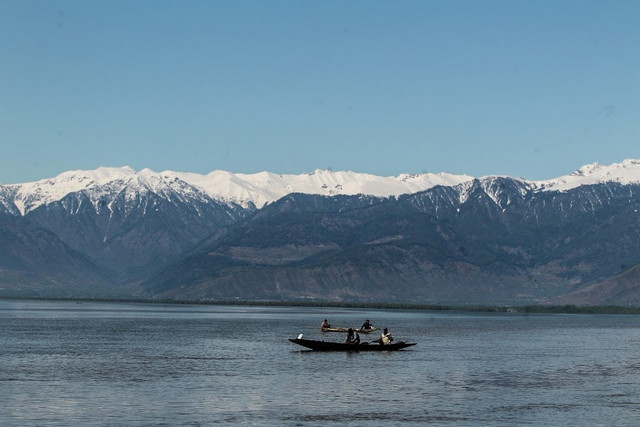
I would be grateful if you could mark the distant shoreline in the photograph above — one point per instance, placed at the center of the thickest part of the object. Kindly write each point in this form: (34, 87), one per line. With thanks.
(526, 309)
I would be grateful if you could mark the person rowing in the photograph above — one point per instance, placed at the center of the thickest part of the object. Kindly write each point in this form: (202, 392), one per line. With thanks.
(352, 337)
(385, 337)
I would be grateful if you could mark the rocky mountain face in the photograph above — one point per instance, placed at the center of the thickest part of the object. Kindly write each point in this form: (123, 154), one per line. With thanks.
(493, 240)
(127, 229)
(133, 237)
(488, 241)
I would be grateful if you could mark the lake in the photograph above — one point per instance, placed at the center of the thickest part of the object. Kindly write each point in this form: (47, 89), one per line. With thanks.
(69, 363)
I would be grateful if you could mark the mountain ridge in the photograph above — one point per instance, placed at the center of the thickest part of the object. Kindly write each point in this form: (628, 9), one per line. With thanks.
(224, 235)
(431, 247)
(262, 188)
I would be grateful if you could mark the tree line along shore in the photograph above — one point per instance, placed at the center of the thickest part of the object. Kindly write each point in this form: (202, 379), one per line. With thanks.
(532, 309)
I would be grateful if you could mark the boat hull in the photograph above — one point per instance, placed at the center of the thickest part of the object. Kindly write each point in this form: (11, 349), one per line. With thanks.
(338, 346)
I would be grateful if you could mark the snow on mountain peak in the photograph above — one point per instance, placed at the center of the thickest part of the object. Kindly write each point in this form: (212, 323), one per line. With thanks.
(625, 172)
(104, 183)
(78, 178)
(245, 189)
(587, 169)
(33, 194)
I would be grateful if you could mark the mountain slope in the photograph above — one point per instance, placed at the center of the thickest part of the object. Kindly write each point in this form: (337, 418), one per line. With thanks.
(134, 231)
(342, 235)
(37, 263)
(492, 240)
(622, 289)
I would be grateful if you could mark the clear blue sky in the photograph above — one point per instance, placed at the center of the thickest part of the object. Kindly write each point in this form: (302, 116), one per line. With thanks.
(524, 88)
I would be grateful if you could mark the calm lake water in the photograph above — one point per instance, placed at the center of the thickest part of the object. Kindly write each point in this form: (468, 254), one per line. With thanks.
(65, 363)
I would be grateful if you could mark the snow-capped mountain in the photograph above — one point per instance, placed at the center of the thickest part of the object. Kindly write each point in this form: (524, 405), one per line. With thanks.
(492, 241)
(625, 172)
(258, 189)
(230, 235)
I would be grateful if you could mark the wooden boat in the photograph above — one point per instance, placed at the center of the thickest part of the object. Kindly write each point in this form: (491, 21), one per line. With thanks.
(339, 346)
(360, 331)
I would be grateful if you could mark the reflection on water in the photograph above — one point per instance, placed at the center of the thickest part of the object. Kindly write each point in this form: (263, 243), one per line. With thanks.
(147, 364)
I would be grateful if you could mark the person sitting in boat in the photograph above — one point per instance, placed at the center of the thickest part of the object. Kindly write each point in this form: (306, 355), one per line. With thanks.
(385, 337)
(366, 325)
(352, 337)
(325, 324)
